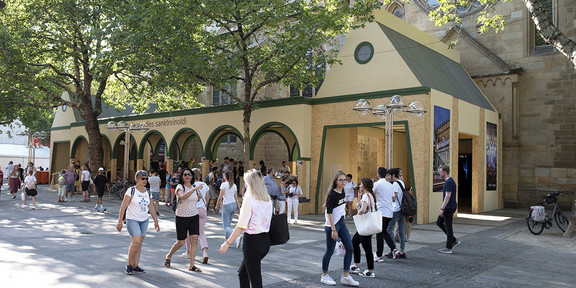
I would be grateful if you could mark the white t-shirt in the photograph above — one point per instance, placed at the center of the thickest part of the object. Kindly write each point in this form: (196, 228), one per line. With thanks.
(384, 192)
(349, 188)
(296, 191)
(154, 183)
(398, 203)
(228, 193)
(85, 175)
(30, 182)
(186, 207)
(203, 191)
(255, 215)
(138, 207)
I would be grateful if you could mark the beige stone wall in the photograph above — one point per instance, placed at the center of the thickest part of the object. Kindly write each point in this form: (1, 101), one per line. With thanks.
(272, 149)
(538, 106)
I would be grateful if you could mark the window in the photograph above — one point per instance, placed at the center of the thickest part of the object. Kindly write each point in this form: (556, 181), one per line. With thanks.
(229, 139)
(396, 9)
(548, 7)
(539, 46)
(364, 52)
(319, 68)
(221, 98)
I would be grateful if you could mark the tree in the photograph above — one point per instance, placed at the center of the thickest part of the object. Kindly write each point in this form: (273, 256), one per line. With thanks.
(51, 47)
(243, 45)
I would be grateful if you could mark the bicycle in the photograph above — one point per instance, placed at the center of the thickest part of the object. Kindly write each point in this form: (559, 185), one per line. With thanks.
(118, 189)
(538, 219)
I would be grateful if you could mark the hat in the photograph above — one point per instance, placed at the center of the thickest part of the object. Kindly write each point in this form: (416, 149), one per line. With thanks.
(100, 169)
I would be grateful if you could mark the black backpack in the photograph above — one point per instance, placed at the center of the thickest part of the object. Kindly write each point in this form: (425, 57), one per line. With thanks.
(408, 207)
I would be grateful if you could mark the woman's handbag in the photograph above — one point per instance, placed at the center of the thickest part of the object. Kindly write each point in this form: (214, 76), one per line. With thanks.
(369, 223)
(279, 232)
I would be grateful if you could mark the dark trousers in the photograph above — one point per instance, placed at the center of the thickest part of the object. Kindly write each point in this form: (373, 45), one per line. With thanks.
(366, 242)
(254, 247)
(384, 235)
(445, 223)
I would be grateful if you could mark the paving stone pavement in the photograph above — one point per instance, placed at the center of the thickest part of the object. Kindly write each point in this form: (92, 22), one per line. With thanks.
(69, 245)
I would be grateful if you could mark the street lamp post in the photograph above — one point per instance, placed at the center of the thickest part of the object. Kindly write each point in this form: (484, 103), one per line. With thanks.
(123, 126)
(32, 139)
(386, 112)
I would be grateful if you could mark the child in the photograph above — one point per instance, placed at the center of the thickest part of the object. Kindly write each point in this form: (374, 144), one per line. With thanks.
(30, 188)
(61, 185)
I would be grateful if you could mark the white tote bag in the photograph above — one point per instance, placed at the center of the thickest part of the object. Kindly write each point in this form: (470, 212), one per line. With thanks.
(369, 223)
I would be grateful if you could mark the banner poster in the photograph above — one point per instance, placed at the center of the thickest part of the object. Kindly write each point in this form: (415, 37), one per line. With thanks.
(491, 155)
(441, 145)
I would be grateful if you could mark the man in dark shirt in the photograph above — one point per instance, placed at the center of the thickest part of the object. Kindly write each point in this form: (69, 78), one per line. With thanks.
(162, 173)
(100, 186)
(447, 210)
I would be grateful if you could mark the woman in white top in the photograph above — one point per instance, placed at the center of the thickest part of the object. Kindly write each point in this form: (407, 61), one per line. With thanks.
(254, 221)
(136, 204)
(187, 219)
(292, 194)
(85, 180)
(202, 213)
(366, 204)
(228, 203)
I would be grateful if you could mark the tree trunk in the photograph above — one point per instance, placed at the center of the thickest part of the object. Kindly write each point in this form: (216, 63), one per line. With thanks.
(571, 231)
(94, 142)
(246, 119)
(545, 26)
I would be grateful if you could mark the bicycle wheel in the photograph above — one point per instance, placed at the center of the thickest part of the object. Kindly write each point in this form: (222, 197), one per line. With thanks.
(535, 227)
(113, 193)
(561, 220)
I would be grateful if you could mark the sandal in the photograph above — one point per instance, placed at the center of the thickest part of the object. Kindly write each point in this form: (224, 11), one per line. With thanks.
(205, 260)
(167, 263)
(195, 269)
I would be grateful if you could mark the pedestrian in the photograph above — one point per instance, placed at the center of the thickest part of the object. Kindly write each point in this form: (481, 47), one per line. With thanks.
(282, 191)
(350, 192)
(61, 185)
(449, 206)
(162, 173)
(21, 174)
(135, 205)
(9, 167)
(228, 203)
(1, 181)
(100, 182)
(293, 192)
(335, 228)
(187, 219)
(174, 181)
(71, 177)
(14, 181)
(202, 213)
(254, 223)
(366, 204)
(285, 167)
(271, 186)
(397, 216)
(384, 192)
(29, 189)
(85, 182)
(155, 184)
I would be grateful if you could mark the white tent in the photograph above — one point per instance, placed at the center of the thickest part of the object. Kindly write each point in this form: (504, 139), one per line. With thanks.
(19, 155)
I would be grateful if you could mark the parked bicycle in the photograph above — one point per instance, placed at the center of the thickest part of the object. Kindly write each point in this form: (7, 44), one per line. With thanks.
(118, 189)
(537, 218)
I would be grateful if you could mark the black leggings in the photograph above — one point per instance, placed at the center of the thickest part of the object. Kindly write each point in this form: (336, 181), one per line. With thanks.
(366, 242)
(255, 248)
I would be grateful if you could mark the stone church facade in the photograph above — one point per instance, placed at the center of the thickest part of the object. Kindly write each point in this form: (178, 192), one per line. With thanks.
(530, 83)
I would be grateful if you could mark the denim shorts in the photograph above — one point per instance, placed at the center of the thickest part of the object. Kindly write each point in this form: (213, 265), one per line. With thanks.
(137, 228)
(155, 196)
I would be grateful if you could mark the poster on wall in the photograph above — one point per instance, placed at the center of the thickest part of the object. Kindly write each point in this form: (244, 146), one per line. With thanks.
(441, 145)
(491, 155)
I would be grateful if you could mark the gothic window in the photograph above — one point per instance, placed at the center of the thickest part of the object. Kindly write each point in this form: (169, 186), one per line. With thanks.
(221, 98)
(397, 10)
(470, 8)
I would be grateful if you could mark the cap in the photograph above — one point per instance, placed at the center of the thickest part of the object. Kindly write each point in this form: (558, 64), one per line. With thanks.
(100, 169)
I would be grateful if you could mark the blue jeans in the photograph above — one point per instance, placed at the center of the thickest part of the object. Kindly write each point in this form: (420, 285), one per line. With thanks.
(344, 236)
(228, 211)
(136, 228)
(397, 217)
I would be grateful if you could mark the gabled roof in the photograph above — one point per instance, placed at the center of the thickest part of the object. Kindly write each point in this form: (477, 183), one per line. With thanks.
(435, 70)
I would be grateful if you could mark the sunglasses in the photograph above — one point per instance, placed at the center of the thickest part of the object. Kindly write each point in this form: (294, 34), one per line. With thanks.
(186, 174)
(144, 178)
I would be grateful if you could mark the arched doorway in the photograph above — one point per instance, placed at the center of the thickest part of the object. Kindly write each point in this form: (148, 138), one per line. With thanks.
(225, 141)
(152, 147)
(186, 148)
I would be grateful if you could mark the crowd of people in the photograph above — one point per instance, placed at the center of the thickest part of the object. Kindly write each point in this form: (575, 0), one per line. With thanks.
(256, 195)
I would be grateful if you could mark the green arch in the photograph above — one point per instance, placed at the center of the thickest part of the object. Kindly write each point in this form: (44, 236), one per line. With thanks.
(74, 145)
(117, 143)
(174, 142)
(264, 129)
(144, 139)
(215, 135)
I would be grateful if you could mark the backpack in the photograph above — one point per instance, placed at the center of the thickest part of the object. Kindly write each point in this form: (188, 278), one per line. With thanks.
(207, 180)
(408, 207)
(61, 179)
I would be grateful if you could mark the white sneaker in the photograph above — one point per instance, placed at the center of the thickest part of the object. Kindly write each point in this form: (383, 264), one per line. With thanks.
(445, 251)
(395, 254)
(23, 206)
(33, 207)
(368, 274)
(326, 279)
(348, 281)
(185, 255)
(378, 259)
(354, 269)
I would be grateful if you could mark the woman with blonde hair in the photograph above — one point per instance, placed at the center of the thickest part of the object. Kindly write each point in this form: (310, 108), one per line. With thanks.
(254, 221)
(336, 228)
